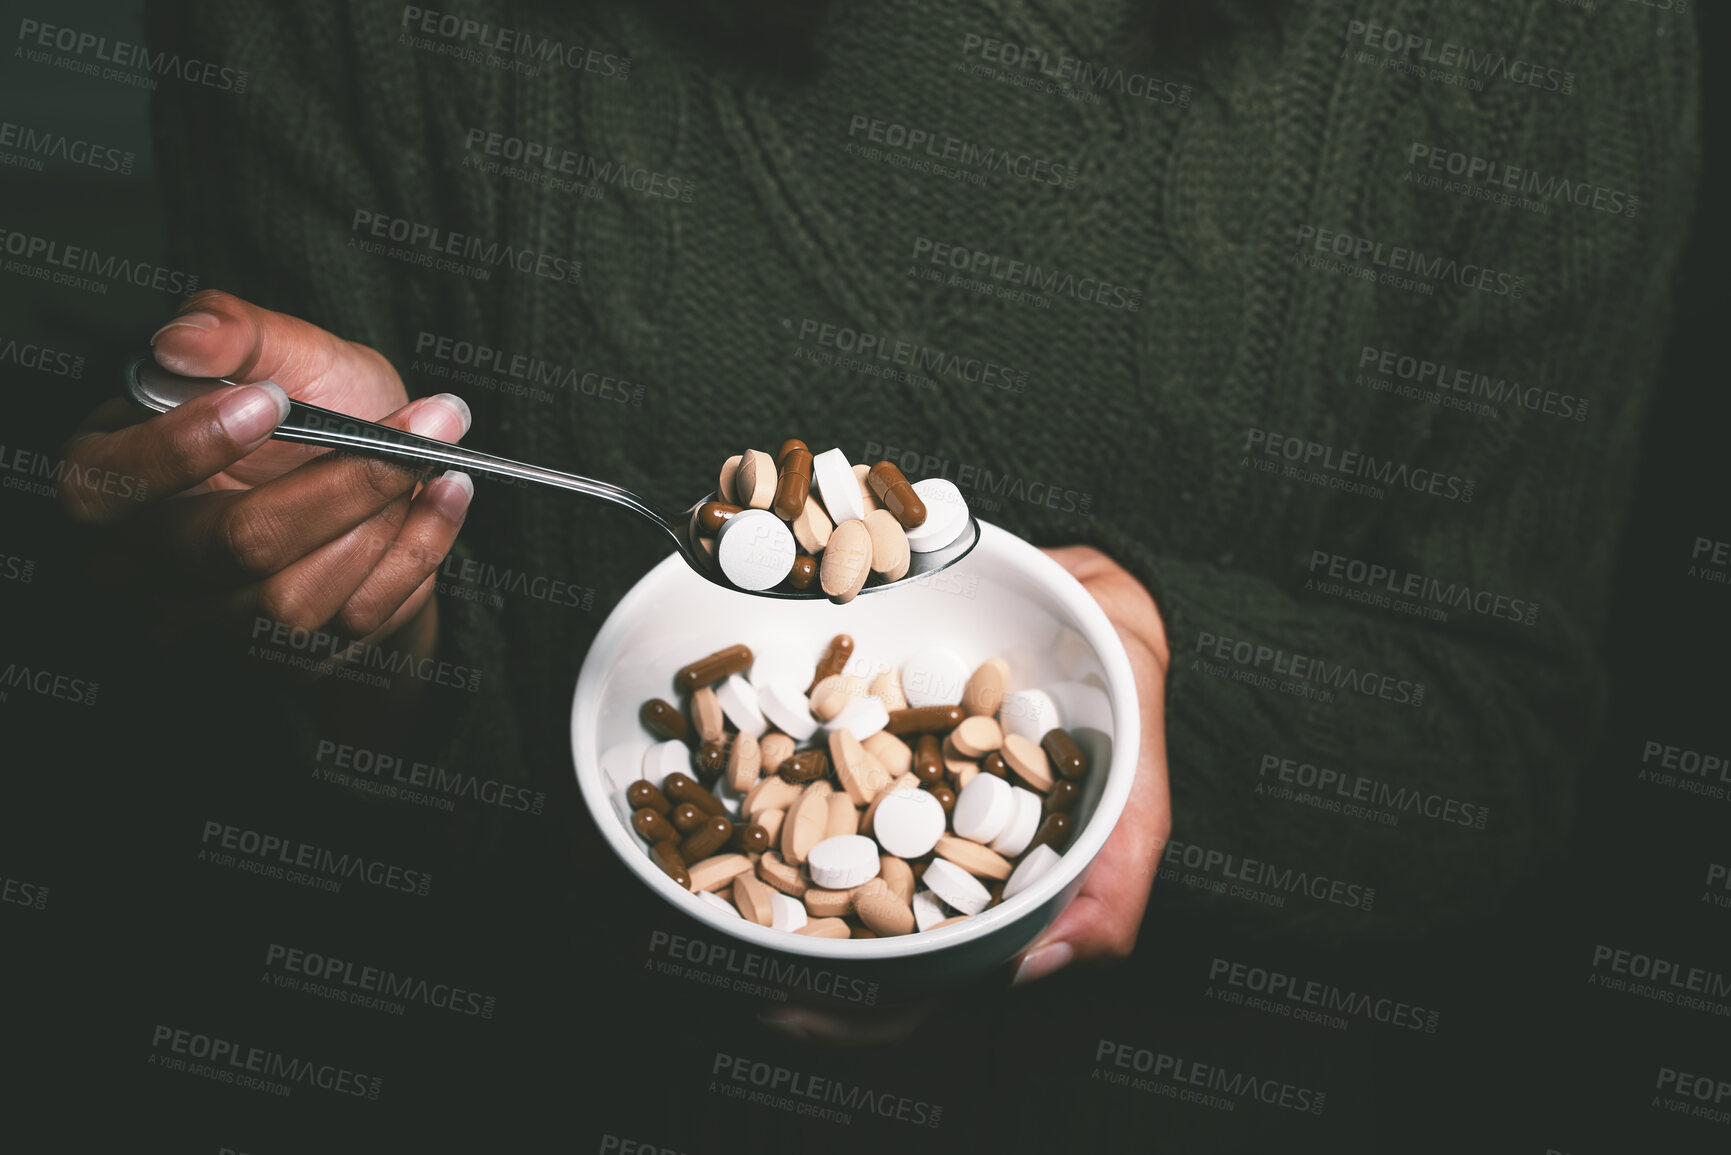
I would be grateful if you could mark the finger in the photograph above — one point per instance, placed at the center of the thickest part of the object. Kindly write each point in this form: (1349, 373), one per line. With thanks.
(408, 566)
(113, 469)
(245, 537)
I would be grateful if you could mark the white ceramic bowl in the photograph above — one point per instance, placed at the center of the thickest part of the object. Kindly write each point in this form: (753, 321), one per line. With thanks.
(1005, 599)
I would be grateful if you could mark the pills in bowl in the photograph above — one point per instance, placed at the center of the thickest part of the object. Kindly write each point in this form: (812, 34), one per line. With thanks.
(800, 520)
(841, 808)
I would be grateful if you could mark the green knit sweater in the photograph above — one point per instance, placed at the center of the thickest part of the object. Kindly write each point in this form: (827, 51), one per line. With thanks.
(1128, 302)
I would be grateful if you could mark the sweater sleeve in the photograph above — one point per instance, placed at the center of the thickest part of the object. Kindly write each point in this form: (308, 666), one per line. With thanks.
(1342, 765)
(259, 185)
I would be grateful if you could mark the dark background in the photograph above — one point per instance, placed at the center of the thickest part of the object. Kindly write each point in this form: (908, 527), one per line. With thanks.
(104, 805)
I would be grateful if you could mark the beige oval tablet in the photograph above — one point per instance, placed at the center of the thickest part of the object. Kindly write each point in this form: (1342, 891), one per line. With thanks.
(882, 910)
(954, 918)
(847, 758)
(977, 736)
(984, 692)
(725, 490)
(893, 754)
(751, 896)
(718, 871)
(1028, 762)
(866, 496)
(707, 717)
(961, 773)
(743, 762)
(772, 793)
(773, 749)
(843, 817)
(890, 554)
(826, 928)
(771, 821)
(755, 481)
(790, 880)
(981, 861)
(887, 688)
(830, 697)
(897, 875)
(847, 559)
(811, 529)
(807, 819)
(821, 903)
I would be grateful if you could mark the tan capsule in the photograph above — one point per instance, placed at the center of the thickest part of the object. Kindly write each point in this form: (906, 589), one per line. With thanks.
(807, 819)
(1067, 757)
(898, 496)
(893, 754)
(847, 559)
(925, 720)
(984, 692)
(803, 575)
(706, 715)
(890, 555)
(897, 875)
(792, 484)
(755, 482)
(643, 793)
(826, 928)
(662, 720)
(787, 447)
(843, 817)
(788, 879)
(882, 910)
(1028, 762)
(711, 515)
(744, 760)
(666, 855)
(806, 766)
(834, 660)
(653, 827)
(977, 736)
(706, 840)
(714, 668)
(682, 789)
(772, 750)
(751, 896)
(928, 759)
(729, 472)
(685, 818)
(719, 871)
(887, 688)
(978, 860)
(821, 903)
(811, 527)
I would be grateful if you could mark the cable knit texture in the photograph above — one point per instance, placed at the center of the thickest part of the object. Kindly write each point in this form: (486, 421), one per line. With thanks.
(1137, 419)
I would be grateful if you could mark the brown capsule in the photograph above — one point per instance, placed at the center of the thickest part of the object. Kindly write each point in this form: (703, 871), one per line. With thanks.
(993, 763)
(706, 840)
(787, 447)
(666, 856)
(792, 484)
(996, 890)
(653, 827)
(711, 515)
(1067, 757)
(1062, 795)
(806, 766)
(710, 670)
(642, 793)
(683, 789)
(750, 839)
(686, 818)
(1053, 832)
(889, 486)
(834, 660)
(918, 866)
(945, 796)
(803, 573)
(712, 759)
(928, 759)
(924, 719)
(665, 722)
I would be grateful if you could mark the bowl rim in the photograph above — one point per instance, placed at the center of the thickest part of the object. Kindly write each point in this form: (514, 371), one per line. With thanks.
(1089, 620)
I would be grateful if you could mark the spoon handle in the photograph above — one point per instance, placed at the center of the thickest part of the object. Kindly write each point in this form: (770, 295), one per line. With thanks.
(156, 388)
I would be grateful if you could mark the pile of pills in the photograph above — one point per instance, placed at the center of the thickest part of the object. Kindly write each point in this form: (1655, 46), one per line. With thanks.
(844, 810)
(804, 520)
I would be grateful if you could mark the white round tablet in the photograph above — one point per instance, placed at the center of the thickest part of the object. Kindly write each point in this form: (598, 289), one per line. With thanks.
(787, 663)
(785, 705)
(665, 758)
(862, 717)
(719, 903)
(1024, 821)
(983, 808)
(956, 886)
(1028, 871)
(836, 484)
(739, 702)
(928, 911)
(946, 515)
(935, 677)
(843, 862)
(755, 549)
(1029, 713)
(785, 912)
(908, 823)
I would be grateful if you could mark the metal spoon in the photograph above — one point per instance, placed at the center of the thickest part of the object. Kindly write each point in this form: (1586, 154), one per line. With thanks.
(156, 388)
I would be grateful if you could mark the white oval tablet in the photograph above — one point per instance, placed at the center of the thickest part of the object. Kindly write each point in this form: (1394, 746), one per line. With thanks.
(843, 862)
(928, 911)
(1029, 713)
(934, 677)
(946, 515)
(956, 886)
(983, 808)
(739, 702)
(862, 717)
(908, 823)
(755, 549)
(1028, 871)
(784, 704)
(786, 912)
(665, 758)
(709, 898)
(1024, 821)
(837, 486)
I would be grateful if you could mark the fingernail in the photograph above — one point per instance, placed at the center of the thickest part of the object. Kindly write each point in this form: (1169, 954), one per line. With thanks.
(1043, 962)
(451, 493)
(427, 420)
(249, 413)
(203, 322)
